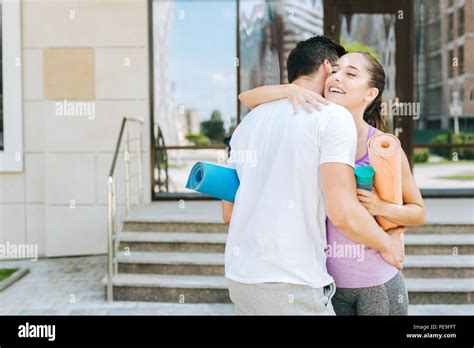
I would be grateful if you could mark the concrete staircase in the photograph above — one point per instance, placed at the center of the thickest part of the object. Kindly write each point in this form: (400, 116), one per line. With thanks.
(168, 261)
(183, 262)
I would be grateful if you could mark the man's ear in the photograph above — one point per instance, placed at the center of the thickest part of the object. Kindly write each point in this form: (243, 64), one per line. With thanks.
(327, 67)
(372, 93)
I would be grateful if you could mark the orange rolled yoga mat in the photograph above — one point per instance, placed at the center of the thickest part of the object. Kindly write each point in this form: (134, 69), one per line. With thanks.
(386, 158)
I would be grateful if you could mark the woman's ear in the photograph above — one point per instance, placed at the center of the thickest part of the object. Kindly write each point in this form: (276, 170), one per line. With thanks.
(372, 93)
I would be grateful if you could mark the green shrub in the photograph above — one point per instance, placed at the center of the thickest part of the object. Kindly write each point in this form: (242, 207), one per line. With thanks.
(464, 138)
(198, 139)
(421, 155)
(450, 137)
(442, 139)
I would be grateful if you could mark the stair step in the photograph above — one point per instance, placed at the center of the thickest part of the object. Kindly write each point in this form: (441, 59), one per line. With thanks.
(170, 288)
(173, 241)
(143, 225)
(442, 229)
(440, 290)
(415, 266)
(441, 309)
(199, 226)
(171, 263)
(439, 244)
(422, 244)
(438, 266)
(213, 289)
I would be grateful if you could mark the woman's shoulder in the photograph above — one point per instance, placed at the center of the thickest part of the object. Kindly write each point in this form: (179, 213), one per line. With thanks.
(375, 131)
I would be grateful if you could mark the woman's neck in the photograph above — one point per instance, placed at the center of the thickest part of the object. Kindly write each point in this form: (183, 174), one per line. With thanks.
(361, 126)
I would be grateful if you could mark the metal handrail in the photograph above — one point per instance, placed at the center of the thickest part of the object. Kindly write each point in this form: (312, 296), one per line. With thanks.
(112, 243)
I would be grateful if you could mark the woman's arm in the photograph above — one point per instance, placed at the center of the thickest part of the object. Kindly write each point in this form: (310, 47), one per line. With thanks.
(411, 213)
(296, 95)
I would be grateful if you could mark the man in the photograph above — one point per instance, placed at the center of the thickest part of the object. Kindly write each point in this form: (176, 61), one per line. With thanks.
(294, 170)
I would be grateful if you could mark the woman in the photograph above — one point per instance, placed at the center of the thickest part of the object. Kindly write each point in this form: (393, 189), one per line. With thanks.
(366, 285)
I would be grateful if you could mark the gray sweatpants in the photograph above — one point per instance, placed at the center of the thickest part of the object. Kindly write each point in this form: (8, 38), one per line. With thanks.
(281, 299)
(390, 298)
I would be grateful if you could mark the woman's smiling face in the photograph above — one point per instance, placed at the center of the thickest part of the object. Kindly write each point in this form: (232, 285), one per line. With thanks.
(348, 85)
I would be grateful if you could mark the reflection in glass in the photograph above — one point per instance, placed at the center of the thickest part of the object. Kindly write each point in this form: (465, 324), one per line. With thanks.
(195, 85)
(268, 31)
(1, 80)
(194, 68)
(374, 33)
(441, 77)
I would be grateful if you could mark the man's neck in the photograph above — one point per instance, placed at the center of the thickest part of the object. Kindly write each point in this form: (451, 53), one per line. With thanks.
(315, 83)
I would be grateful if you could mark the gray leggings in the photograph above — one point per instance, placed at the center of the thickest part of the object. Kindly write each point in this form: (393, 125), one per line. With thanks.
(390, 298)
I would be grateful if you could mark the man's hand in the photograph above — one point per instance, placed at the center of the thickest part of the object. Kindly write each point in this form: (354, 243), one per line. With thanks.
(227, 209)
(303, 96)
(396, 253)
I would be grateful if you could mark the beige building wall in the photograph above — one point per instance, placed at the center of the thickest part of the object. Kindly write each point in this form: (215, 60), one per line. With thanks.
(59, 201)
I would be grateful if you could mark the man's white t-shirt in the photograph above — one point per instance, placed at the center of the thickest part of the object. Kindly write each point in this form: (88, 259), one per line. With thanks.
(278, 227)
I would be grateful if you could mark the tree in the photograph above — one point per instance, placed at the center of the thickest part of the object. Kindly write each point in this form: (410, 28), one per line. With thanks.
(214, 128)
(360, 47)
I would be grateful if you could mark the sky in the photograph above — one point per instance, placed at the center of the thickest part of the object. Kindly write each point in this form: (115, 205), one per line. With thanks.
(202, 56)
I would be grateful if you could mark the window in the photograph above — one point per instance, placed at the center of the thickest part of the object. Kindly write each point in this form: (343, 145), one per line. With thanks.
(432, 9)
(434, 69)
(461, 21)
(450, 63)
(451, 26)
(460, 60)
(11, 152)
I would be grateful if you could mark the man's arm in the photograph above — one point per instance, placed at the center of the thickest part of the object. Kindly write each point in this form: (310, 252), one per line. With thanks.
(350, 216)
(227, 208)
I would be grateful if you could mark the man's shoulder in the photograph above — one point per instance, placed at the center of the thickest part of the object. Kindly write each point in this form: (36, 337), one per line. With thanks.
(333, 110)
(280, 104)
(271, 108)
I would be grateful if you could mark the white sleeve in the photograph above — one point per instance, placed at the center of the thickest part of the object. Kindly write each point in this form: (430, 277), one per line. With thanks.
(232, 160)
(339, 139)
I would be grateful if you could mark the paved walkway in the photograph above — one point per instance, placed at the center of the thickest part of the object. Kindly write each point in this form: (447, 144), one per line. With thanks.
(72, 286)
(433, 175)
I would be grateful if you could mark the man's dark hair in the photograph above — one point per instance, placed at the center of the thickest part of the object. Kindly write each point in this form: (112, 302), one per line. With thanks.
(308, 55)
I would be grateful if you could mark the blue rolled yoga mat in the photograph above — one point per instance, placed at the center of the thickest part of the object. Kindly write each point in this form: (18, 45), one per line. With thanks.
(215, 181)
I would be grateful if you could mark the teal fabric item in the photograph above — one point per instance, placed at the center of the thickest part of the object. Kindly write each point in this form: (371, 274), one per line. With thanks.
(215, 181)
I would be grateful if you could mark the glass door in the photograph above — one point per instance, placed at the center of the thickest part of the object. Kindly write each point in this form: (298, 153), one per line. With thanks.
(384, 29)
(193, 89)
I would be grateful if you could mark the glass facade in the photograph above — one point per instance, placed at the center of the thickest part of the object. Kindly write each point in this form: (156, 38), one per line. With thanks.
(1, 80)
(374, 33)
(268, 31)
(443, 79)
(200, 46)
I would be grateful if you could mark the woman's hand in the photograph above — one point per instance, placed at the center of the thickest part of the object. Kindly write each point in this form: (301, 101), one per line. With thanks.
(303, 96)
(372, 201)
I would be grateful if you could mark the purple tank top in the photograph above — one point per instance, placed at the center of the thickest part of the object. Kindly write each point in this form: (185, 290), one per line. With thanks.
(354, 265)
